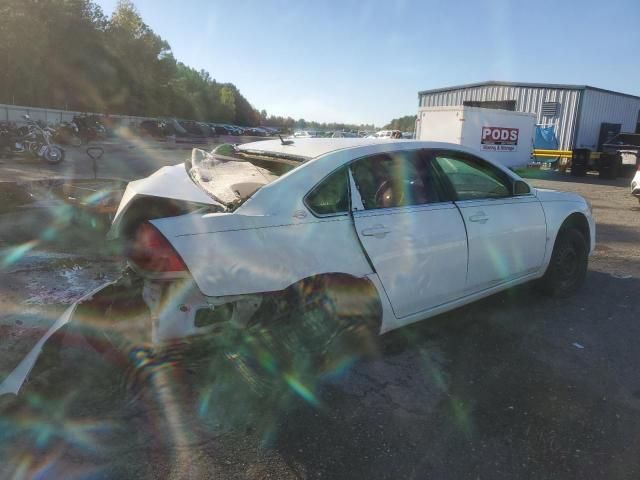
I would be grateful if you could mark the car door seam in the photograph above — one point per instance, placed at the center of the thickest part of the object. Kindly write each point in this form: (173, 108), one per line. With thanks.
(355, 228)
(466, 232)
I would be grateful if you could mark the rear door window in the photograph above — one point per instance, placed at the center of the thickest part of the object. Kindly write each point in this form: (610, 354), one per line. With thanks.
(397, 179)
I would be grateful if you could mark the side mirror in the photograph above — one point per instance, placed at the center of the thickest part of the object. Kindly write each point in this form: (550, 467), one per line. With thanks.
(521, 188)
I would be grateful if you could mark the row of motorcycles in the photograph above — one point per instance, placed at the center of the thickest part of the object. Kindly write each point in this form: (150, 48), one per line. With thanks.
(31, 139)
(42, 141)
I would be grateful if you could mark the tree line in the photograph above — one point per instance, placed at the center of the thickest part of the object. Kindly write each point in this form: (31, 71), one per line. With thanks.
(68, 54)
(301, 123)
(404, 124)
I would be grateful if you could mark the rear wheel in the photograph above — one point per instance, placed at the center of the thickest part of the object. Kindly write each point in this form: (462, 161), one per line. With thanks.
(316, 327)
(328, 326)
(568, 266)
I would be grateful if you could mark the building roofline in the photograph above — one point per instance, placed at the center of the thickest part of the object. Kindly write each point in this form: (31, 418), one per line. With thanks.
(491, 83)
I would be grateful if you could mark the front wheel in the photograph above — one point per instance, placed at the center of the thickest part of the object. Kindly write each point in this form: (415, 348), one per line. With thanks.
(53, 154)
(568, 266)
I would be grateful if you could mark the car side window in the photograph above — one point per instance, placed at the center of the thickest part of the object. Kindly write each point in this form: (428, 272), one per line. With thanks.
(394, 180)
(472, 178)
(331, 196)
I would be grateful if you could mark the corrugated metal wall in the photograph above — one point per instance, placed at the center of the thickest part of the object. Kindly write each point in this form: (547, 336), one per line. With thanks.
(52, 116)
(602, 107)
(528, 99)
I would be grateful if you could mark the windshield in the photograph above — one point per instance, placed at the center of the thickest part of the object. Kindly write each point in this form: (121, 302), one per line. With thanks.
(230, 176)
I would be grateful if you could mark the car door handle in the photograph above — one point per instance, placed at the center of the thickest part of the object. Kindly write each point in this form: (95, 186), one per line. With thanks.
(376, 231)
(479, 218)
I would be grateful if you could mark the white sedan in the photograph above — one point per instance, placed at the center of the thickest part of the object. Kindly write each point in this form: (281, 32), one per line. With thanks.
(336, 240)
(635, 184)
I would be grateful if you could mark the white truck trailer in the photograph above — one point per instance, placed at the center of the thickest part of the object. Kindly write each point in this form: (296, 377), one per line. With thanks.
(499, 135)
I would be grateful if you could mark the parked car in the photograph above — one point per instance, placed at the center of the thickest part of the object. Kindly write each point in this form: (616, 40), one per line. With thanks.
(194, 129)
(271, 131)
(306, 134)
(387, 134)
(255, 132)
(236, 130)
(207, 130)
(221, 129)
(627, 146)
(152, 128)
(635, 184)
(175, 128)
(359, 238)
(343, 134)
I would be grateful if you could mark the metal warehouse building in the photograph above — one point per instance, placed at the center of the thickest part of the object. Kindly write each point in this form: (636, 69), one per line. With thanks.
(583, 116)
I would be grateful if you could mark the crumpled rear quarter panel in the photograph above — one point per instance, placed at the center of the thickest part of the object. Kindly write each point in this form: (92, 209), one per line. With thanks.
(263, 255)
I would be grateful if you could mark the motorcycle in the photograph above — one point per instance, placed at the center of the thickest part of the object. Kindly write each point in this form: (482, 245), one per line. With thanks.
(68, 133)
(31, 139)
(89, 128)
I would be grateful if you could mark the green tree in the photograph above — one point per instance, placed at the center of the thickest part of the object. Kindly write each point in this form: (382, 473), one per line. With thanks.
(404, 124)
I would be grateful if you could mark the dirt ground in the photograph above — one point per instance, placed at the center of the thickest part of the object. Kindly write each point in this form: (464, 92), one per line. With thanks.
(514, 386)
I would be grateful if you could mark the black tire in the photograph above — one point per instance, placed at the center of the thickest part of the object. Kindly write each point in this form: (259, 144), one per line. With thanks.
(313, 328)
(53, 155)
(578, 171)
(568, 266)
(332, 315)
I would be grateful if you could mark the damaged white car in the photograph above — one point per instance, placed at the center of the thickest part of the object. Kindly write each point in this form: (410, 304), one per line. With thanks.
(333, 241)
(635, 184)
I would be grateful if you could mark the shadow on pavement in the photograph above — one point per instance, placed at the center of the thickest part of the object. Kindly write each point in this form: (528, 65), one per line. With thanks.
(515, 386)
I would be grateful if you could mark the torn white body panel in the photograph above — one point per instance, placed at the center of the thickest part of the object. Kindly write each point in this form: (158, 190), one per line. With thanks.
(14, 381)
(168, 182)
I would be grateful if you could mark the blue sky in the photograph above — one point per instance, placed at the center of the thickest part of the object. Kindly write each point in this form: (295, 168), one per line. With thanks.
(364, 61)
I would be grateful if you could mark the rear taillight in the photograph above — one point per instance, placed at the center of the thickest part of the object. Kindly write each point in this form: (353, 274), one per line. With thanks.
(150, 251)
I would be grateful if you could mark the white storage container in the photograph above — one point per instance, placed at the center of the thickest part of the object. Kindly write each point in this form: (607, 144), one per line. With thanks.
(503, 136)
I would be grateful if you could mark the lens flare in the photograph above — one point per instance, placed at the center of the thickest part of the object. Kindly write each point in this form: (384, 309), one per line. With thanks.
(301, 390)
(14, 254)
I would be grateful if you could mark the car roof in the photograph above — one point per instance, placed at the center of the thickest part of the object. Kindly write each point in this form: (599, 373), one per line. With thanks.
(308, 148)
(301, 148)
(318, 157)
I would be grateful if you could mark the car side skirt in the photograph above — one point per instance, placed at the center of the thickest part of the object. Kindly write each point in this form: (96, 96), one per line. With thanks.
(390, 322)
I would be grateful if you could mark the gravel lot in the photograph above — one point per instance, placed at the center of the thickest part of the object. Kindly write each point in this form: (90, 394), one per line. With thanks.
(514, 386)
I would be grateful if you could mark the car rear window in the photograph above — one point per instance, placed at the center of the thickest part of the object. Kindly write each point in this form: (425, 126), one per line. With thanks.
(331, 196)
